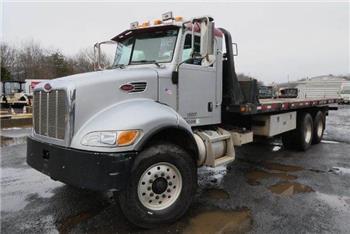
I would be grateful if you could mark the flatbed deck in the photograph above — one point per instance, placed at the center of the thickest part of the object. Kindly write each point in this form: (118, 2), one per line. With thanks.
(282, 104)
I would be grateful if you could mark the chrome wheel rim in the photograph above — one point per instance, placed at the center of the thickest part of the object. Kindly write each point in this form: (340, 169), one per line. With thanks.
(319, 129)
(159, 186)
(308, 132)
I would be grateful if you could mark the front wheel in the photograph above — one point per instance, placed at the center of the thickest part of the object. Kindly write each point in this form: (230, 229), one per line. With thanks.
(162, 183)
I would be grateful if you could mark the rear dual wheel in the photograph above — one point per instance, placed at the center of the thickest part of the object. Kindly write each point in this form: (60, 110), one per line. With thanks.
(162, 183)
(319, 127)
(302, 137)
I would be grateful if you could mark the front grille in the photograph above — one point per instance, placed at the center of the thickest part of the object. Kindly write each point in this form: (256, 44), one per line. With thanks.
(49, 113)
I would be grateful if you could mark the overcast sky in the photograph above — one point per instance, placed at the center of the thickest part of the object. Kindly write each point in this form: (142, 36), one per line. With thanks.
(276, 40)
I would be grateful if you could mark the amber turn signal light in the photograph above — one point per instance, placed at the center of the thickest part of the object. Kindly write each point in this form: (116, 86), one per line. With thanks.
(127, 137)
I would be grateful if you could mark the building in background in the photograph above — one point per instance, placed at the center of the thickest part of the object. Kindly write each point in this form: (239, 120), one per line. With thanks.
(319, 86)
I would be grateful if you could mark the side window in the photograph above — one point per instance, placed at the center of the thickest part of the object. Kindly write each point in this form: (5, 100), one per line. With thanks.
(186, 54)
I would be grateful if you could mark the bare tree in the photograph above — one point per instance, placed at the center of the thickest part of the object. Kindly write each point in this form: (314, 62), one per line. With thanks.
(7, 58)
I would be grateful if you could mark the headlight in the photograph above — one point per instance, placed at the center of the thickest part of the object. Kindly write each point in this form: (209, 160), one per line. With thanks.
(110, 138)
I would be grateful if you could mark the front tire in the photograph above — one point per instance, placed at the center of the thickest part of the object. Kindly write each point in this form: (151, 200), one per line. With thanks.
(161, 187)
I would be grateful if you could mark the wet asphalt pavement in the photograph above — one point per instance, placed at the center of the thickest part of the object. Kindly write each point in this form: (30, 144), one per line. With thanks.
(266, 190)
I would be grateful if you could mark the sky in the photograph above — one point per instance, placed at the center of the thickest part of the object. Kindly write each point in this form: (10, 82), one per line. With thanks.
(277, 41)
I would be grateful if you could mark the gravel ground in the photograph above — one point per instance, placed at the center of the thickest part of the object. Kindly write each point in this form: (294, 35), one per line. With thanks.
(266, 190)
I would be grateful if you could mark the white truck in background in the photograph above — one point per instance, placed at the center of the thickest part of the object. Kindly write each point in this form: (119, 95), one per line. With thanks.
(345, 94)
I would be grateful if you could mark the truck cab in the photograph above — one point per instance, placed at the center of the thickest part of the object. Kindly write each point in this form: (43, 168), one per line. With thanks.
(345, 94)
(169, 103)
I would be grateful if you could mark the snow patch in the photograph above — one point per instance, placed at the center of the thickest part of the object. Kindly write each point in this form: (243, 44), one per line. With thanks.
(207, 175)
(330, 142)
(336, 202)
(19, 184)
(341, 170)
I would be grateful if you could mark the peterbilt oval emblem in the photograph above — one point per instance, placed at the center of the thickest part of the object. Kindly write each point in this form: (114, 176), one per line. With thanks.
(47, 87)
(127, 87)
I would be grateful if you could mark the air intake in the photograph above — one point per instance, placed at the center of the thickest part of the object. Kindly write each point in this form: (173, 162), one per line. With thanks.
(138, 87)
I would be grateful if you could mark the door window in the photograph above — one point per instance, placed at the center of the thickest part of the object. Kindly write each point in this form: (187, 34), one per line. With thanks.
(186, 53)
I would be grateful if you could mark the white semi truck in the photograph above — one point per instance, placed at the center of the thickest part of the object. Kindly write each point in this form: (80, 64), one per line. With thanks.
(170, 103)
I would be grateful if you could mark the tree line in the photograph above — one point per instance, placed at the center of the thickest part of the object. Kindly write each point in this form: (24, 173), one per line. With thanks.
(32, 61)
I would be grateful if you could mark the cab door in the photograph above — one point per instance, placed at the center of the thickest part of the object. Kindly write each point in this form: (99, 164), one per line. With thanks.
(197, 88)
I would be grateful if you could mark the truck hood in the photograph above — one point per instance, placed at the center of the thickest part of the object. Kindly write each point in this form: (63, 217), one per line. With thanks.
(95, 91)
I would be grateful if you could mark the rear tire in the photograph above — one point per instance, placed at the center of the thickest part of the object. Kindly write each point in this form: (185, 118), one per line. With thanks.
(161, 187)
(301, 137)
(319, 126)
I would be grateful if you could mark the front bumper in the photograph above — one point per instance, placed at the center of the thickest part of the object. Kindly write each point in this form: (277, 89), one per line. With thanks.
(83, 169)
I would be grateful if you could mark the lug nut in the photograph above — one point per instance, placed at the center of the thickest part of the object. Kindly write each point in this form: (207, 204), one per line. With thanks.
(151, 194)
(157, 197)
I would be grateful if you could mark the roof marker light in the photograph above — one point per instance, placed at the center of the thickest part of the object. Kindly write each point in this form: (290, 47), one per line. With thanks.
(178, 18)
(134, 25)
(144, 24)
(167, 16)
(157, 22)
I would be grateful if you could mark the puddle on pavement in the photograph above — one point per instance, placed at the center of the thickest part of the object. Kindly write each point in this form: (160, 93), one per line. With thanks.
(254, 177)
(4, 141)
(290, 188)
(281, 167)
(7, 141)
(218, 221)
(213, 193)
(70, 222)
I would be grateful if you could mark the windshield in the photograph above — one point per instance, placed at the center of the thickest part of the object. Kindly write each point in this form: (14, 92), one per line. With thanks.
(148, 47)
(345, 91)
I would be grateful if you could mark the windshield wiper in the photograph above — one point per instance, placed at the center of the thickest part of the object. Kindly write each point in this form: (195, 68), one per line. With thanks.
(146, 61)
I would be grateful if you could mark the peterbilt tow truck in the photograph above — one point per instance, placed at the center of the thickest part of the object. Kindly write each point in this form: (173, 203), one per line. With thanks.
(170, 103)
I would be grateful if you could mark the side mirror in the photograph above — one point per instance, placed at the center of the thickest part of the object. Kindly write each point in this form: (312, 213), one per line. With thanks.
(97, 57)
(235, 49)
(207, 38)
(102, 59)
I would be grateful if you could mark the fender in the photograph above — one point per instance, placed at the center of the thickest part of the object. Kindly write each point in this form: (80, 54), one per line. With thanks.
(146, 115)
